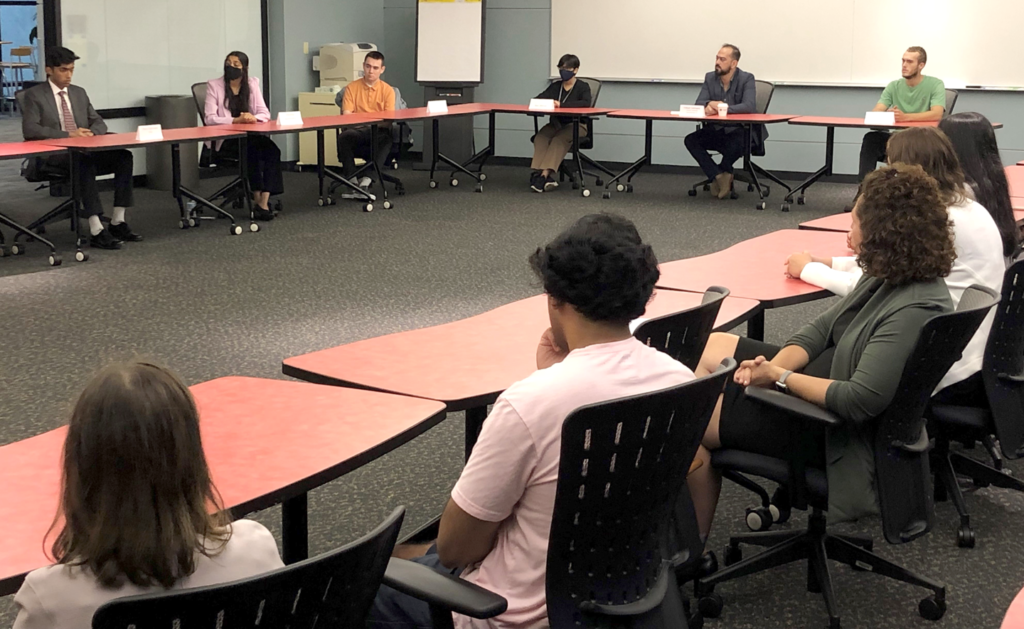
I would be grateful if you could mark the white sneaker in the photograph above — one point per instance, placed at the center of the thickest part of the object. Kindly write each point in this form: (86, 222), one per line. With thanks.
(352, 195)
(365, 182)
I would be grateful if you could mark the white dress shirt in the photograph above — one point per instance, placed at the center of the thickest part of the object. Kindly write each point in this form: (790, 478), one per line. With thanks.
(56, 97)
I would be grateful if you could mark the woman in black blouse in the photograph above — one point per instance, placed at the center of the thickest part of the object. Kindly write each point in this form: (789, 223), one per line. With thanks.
(554, 139)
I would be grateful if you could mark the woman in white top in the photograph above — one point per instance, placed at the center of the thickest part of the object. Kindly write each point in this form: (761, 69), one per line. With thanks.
(978, 242)
(136, 499)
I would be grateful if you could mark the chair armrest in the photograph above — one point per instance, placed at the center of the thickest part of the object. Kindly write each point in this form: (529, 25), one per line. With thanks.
(1018, 378)
(793, 405)
(922, 444)
(442, 590)
(652, 599)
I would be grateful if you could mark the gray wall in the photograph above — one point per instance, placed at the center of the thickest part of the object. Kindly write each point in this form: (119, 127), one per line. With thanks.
(516, 68)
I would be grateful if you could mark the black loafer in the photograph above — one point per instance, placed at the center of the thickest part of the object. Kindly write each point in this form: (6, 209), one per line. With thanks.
(260, 214)
(104, 240)
(122, 232)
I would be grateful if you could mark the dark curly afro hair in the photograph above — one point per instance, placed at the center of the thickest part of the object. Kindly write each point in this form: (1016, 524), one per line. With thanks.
(601, 267)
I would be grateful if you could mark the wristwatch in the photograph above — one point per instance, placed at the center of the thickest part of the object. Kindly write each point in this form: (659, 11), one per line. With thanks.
(780, 384)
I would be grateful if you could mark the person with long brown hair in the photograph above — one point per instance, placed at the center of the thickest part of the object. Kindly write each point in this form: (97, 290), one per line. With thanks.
(849, 359)
(138, 510)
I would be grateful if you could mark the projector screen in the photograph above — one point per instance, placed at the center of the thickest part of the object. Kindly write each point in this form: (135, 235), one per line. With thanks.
(860, 42)
(449, 41)
(131, 49)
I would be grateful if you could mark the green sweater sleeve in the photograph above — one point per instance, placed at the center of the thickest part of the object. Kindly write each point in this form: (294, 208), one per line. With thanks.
(873, 384)
(813, 338)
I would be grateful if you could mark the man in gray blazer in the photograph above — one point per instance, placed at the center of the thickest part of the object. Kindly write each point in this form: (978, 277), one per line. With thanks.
(57, 109)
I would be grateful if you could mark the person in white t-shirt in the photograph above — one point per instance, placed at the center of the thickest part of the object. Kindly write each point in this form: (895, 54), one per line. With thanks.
(598, 276)
(979, 252)
(135, 508)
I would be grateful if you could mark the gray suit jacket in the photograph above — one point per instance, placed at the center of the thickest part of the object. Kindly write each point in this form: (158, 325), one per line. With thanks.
(40, 118)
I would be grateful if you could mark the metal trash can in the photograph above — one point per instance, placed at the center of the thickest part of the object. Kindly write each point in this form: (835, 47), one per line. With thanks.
(171, 112)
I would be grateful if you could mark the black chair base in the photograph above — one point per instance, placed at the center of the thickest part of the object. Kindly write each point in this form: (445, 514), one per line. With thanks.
(565, 173)
(367, 170)
(816, 546)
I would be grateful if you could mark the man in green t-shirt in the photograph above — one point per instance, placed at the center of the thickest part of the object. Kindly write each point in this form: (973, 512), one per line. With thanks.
(914, 97)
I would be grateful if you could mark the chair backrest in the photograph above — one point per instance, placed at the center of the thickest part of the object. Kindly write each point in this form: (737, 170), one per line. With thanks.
(595, 88)
(623, 464)
(399, 101)
(764, 91)
(683, 335)
(903, 475)
(199, 96)
(1004, 359)
(951, 96)
(335, 589)
(21, 51)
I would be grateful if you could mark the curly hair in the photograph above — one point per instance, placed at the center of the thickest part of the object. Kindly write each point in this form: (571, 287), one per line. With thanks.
(930, 149)
(906, 234)
(601, 267)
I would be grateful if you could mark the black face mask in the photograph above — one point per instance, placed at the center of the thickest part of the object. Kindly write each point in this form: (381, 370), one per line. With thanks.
(231, 73)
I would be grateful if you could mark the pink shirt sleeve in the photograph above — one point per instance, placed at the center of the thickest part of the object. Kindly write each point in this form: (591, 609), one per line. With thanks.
(257, 105)
(499, 470)
(213, 108)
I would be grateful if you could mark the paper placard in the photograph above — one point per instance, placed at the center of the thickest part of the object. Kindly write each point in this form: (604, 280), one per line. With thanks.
(149, 133)
(690, 111)
(542, 104)
(289, 118)
(437, 106)
(880, 117)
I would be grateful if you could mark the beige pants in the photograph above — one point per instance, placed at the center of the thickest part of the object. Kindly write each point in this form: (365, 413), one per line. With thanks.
(551, 144)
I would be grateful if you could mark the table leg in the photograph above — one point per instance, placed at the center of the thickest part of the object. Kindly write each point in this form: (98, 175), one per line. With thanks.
(824, 171)
(484, 153)
(576, 156)
(321, 166)
(755, 327)
(180, 193)
(323, 175)
(243, 172)
(76, 204)
(374, 130)
(439, 157)
(295, 529)
(635, 167)
(474, 423)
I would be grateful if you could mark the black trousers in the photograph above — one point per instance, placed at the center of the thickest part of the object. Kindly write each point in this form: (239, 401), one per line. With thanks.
(712, 137)
(872, 151)
(264, 165)
(353, 143)
(91, 165)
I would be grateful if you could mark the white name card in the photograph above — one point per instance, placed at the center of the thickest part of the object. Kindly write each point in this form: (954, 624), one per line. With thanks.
(690, 111)
(542, 104)
(437, 107)
(149, 133)
(880, 117)
(289, 119)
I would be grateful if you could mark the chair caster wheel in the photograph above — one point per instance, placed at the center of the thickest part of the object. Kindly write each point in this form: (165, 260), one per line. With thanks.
(785, 207)
(750, 187)
(606, 195)
(479, 188)
(965, 537)
(760, 206)
(482, 176)
(54, 259)
(586, 192)
(400, 191)
(575, 186)
(779, 507)
(254, 227)
(759, 519)
(707, 187)
(432, 184)
(767, 190)
(81, 256)
(3, 252)
(182, 224)
(387, 205)
(453, 182)
(932, 608)
(733, 554)
(236, 230)
(691, 192)
(620, 187)
(629, 188)
(321, 201)
(599, 182)
(708, 565)
(800, 200)
(710, 605)
(17, 250)
(368, 207)
(733, 196)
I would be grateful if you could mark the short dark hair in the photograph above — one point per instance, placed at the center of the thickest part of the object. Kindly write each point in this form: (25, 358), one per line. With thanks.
(374, 54)
(58, 56)
(569, 62)
(601, 267)
(735, 51)
(922, 56)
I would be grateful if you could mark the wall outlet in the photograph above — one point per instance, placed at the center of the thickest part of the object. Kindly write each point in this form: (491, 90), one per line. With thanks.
(305, 47)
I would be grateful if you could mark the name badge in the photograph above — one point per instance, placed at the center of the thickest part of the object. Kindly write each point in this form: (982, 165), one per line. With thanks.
(437, 107)
(690, 111)
(542, 104)
(149, 133)
(880, 117)
(289, 119)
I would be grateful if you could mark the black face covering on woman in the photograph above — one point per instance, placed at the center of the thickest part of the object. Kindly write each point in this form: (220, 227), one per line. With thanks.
(231, 73)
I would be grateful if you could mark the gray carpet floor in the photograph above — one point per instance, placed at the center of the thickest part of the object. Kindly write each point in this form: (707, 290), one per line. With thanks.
(208, 304)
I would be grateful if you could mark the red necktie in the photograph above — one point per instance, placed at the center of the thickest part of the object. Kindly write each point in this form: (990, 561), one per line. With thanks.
(65, 112)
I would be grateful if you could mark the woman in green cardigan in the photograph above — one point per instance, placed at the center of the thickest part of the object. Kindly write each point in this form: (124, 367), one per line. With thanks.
(850, 358)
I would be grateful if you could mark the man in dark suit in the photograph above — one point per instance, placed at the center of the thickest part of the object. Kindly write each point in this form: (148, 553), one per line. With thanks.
(57, 109)
(736, 88)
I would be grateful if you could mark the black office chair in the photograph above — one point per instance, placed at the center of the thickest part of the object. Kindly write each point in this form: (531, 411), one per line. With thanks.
(902, 473)
(335, 589)
(622, 469)
(400, 133)
(951, 96)
(1002, 415)
(683, 335)
(233, 192)
(764, 91)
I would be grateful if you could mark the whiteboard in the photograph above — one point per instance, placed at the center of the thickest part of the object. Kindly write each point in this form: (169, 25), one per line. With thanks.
(449, 41)
(798, 41)
(131, 49)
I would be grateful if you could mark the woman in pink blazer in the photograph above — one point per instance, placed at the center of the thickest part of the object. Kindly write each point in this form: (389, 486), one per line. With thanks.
(236, 99)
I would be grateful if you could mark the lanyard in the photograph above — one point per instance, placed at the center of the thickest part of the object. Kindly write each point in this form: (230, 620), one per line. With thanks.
(562, 99)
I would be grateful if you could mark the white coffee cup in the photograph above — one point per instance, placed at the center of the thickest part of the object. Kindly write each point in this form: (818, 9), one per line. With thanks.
(723, 110)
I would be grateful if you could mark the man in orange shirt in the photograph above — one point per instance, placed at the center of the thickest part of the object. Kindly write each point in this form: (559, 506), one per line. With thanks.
(366, 95)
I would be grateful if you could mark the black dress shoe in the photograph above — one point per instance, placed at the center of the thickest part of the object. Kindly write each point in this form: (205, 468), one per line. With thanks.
(260, 214)
(104, 240)
(122, 232)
